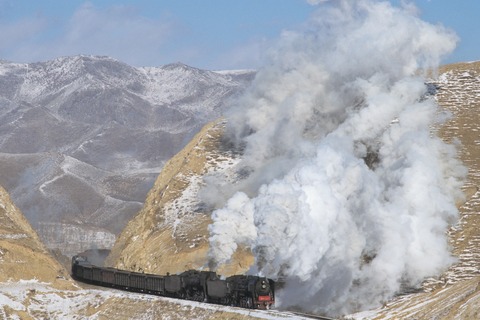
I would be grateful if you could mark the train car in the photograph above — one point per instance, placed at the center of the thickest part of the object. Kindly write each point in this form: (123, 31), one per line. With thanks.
(108, 277)
(122, 279)
(97, 274)
(138, 282)
(204, 286)
(155, 285)
(174, 286)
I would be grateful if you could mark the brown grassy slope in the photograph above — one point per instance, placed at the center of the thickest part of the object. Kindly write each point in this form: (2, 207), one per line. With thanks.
(22, 255)
(456, 295)
(168, 235)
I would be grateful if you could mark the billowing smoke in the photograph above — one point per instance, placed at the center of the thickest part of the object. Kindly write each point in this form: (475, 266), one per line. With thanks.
(349, 191)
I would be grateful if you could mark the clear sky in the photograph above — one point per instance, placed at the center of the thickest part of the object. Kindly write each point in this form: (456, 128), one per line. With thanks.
(208, 34)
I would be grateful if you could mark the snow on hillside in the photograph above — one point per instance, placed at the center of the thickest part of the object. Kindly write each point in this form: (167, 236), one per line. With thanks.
(83, 138)
(30, 298)
(181, 82)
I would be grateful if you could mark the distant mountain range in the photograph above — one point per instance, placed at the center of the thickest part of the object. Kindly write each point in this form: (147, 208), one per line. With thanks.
(83, 138)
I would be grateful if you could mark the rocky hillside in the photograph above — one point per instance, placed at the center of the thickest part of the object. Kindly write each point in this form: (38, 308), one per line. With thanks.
(83, 138)
(22, 255)
(170, 233)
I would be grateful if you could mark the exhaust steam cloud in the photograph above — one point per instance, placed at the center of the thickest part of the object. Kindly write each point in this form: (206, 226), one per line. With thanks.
(349, 193)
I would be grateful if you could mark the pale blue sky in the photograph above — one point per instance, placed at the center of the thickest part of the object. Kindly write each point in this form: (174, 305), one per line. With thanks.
(209, 34)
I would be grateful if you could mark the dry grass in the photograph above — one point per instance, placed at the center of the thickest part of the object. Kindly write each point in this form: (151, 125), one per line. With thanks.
(22, 255)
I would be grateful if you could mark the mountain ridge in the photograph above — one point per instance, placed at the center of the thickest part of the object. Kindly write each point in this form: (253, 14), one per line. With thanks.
(119, 123)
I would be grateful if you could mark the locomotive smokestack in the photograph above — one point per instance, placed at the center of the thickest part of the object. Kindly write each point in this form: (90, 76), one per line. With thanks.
(349, 193)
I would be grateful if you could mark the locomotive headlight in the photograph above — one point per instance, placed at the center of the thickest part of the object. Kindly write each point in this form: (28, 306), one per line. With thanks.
(263, 284)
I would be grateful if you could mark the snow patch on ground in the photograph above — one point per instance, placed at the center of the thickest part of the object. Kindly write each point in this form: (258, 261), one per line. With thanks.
(41, 301)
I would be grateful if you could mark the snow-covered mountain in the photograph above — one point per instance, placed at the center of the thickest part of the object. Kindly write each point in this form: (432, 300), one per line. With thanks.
(83, 138)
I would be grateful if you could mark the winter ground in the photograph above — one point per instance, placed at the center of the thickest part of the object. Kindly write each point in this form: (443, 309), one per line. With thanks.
(31, 299)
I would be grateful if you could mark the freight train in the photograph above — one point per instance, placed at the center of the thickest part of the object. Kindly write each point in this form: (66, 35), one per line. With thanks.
(206, 286)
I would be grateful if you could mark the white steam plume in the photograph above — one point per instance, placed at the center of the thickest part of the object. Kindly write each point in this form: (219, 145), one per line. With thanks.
(350, 193)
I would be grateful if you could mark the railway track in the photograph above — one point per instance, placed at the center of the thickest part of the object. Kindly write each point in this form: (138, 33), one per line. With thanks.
(313, 316)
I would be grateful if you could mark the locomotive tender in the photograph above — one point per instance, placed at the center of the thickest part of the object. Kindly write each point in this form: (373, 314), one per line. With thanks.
(206, 286)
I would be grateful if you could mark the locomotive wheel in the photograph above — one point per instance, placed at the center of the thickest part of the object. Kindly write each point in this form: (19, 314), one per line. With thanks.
(249, 303)
(198, 296)
(246, 303)
(182, 295)
(195, 295)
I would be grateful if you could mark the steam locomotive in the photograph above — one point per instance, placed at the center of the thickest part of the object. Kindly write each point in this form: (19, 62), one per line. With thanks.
(206, 286)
